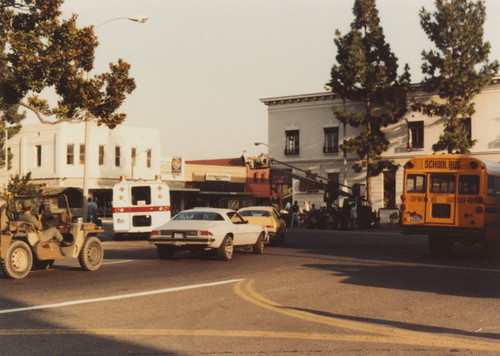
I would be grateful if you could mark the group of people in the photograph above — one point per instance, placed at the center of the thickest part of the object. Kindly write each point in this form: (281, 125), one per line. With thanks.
(310, 208)
(51, 233)
(259, 162)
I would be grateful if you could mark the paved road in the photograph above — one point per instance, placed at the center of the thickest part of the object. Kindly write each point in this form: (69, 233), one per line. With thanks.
(322, 293)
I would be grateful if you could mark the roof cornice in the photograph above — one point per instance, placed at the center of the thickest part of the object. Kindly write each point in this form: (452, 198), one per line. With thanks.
(329, 96)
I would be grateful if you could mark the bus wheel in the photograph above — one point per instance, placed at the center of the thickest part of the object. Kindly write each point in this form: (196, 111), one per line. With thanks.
(439, 245)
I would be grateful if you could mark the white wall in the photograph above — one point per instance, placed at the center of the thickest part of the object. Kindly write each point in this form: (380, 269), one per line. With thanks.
(54, 139)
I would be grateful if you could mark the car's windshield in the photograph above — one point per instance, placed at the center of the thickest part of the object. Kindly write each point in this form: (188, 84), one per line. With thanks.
(255, 213)
(198, 215)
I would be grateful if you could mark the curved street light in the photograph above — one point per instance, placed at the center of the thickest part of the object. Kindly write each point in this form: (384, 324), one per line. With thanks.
(134, 18)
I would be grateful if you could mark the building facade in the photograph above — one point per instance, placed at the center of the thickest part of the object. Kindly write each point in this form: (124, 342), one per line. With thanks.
(55, 155)
(227, 183)
(304, 132)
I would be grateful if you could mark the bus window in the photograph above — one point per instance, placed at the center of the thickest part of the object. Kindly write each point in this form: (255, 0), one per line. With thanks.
(491, 186)
(415, 183)
(468, 184)
(442, 183)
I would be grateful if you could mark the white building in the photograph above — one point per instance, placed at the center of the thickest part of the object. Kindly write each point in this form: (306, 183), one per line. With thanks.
(304, 132)
(55, 154)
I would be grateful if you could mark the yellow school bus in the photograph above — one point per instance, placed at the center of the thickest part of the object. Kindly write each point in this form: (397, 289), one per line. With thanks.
(452, 198)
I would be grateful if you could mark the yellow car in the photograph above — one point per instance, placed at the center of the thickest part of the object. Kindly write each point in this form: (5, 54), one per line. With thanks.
(266, 216)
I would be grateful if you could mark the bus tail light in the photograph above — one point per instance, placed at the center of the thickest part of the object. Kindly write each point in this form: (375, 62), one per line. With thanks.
(403, 199)
(155, 233)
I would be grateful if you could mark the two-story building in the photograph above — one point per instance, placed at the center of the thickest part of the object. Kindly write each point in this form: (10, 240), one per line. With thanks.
(55, 155)
(304, 132)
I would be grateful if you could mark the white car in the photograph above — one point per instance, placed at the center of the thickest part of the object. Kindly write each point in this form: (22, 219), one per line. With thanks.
(208, 229)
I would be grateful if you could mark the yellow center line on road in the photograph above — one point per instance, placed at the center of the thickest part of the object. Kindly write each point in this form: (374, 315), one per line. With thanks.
(384, 334)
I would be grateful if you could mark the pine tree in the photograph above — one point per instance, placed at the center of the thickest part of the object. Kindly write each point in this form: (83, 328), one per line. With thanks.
(367, 72)
(457, 69)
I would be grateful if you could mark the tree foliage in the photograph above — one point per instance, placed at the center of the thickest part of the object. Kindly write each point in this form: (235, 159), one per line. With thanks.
(18, 185)
(457, 69)
(42, 51)
(367, 72)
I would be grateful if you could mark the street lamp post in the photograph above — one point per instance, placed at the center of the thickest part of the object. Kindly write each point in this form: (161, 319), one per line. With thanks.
(134, 18)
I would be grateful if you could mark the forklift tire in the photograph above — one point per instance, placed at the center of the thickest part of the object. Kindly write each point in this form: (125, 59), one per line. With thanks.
(18, 260)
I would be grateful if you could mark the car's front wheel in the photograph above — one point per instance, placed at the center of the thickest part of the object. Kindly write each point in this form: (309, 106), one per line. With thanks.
(18, 260)
(258, 248)
(91, 254)
(225, 250)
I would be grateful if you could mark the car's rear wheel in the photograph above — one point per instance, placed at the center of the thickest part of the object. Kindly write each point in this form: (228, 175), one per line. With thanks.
(225, 250)
(258, 248)
(91, 254)
(166, 252)
(18, 260)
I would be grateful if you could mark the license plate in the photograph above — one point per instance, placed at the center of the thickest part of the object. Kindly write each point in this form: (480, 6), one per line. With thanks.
(416, 218)
(178, 235)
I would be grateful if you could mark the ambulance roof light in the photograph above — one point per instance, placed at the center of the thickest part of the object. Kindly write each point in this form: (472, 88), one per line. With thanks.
(157, 177)
(122, 178)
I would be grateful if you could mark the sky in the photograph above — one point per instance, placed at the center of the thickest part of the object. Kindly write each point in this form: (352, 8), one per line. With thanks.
(202, 66)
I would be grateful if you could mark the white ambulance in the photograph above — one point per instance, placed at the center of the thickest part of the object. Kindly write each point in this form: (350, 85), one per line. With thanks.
(139, 206)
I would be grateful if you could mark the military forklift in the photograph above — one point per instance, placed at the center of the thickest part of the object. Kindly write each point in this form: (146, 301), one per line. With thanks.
(22, 247)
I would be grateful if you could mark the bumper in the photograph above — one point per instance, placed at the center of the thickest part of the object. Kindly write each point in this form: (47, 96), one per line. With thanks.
(456, 233)
(167, 240)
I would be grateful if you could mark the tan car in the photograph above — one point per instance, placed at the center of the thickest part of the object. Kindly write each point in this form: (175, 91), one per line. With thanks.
(270, 218)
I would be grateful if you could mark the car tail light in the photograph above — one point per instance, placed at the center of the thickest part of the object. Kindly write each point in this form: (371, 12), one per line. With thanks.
(155, 233)
(403, 207)
(269, 226)
(205, 233)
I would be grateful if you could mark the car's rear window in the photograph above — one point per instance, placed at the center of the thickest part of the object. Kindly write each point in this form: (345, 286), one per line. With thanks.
(255, 213)
(198, 215)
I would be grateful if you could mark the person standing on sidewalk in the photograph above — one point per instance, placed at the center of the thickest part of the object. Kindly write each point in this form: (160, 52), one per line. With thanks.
(354, 216)
(295, 215)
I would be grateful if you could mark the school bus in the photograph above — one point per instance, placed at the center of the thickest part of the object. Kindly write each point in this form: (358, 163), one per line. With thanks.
(451, 198)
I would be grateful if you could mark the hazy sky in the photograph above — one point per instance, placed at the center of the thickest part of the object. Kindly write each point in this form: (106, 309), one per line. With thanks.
(201, 66)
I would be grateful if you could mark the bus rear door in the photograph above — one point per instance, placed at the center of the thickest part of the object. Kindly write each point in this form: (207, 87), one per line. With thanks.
(441, 198)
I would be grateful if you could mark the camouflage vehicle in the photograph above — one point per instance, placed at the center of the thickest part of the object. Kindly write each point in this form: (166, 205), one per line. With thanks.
(21, 247)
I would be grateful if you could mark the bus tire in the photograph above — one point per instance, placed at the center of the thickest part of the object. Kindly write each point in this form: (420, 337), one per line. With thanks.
(439, 245)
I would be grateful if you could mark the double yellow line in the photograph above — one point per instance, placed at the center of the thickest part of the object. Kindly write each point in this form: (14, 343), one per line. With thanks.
(367, 332)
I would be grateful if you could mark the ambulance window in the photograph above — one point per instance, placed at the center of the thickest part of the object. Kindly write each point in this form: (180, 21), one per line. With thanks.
(468, 184)
(415, 183)
(141, 195)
